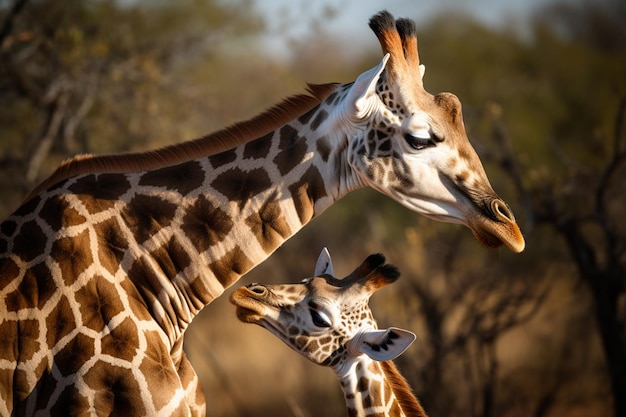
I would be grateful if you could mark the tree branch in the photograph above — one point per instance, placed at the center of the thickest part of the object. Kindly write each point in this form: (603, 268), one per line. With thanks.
(7, 25)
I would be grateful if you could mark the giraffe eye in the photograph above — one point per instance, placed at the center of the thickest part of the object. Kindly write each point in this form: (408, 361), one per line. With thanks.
(419, 142)
(320, 319)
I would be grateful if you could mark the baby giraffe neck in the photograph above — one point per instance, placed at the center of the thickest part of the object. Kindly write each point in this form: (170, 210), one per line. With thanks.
(374, 388)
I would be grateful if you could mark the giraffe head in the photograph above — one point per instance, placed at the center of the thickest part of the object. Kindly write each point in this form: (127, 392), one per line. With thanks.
(325, 319)
(412, 146)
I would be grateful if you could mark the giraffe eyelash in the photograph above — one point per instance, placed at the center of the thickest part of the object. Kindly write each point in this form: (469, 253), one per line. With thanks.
(320, 319)
(420, 142)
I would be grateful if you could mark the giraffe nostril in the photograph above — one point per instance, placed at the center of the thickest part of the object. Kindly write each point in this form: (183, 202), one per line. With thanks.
(257, 289)
(501, 210)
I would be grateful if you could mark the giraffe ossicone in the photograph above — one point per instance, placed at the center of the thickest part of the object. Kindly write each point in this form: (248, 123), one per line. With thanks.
(105, 264)
(328, 321)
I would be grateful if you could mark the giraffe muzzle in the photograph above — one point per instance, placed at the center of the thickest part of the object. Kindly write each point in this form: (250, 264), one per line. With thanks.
(249, 303)
(497, 226)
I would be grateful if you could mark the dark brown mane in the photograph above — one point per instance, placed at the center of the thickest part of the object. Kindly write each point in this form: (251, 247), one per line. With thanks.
(222, 140)
(408, 402)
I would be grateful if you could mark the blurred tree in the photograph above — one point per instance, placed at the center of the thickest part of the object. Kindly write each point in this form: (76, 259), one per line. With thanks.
(584, 201)
(81, 76)
(595, 238)
(465, 309)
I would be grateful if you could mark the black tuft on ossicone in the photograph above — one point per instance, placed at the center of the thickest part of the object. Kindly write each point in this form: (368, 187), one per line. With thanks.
(389, 272)
(382, 21)
(374, 261)
(406, 28)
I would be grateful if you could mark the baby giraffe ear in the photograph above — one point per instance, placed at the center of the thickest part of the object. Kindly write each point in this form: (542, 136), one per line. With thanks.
(385, 345)
(324, 264)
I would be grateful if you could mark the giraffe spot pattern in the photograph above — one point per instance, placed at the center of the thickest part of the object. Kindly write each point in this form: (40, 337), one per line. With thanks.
(318, 119)
(184, 178)
(259, 148)
(192, 387)
(403, 173)
(21, 384)
(135, 300)
(240, 186)
(269, 226)
(145, 279)
(362, 384)
(171, 257)
(384, 146)
(223, 158)
(112, 244)
(231, 266)
(7, 344)
(324, 149)
(30, 331)
(9, 271)
(35, 289)
(147, 214)
(306, 117)
(99, 303)
(8, 227)
(28, 207)
(60, 322)
(30, 242)
(58, 205)
(306, 192)
(158, 363)
(292, 150)
(205, 224)
(99, 192)
(124, 236)
(395, 407)
(114, 388)
(73, 255)
(6, 379)
(198, 295)
(74, 354)
(367, 399)
(71, 402)
(122, 342)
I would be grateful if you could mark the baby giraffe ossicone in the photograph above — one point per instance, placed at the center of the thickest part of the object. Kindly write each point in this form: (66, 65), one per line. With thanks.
(328, 321)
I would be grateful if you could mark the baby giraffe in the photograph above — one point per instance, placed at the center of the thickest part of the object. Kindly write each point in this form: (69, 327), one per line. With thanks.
(328, 321)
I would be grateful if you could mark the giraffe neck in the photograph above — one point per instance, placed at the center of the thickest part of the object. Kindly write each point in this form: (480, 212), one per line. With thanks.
(257, 196)
(184, 233)
(373, 388)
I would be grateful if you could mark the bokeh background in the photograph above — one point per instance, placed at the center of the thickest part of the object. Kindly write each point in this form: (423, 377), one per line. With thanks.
(543, 85)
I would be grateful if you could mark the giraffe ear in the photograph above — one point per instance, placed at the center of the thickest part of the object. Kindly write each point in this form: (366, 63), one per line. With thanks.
(364, 89)
(384, 345)
(324, 264)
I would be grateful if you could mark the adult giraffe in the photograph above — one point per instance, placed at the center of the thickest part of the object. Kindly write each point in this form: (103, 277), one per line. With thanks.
(107, 262)
(328, 321)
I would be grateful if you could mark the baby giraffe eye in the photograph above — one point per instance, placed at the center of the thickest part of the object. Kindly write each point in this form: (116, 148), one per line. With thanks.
(320, 319)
